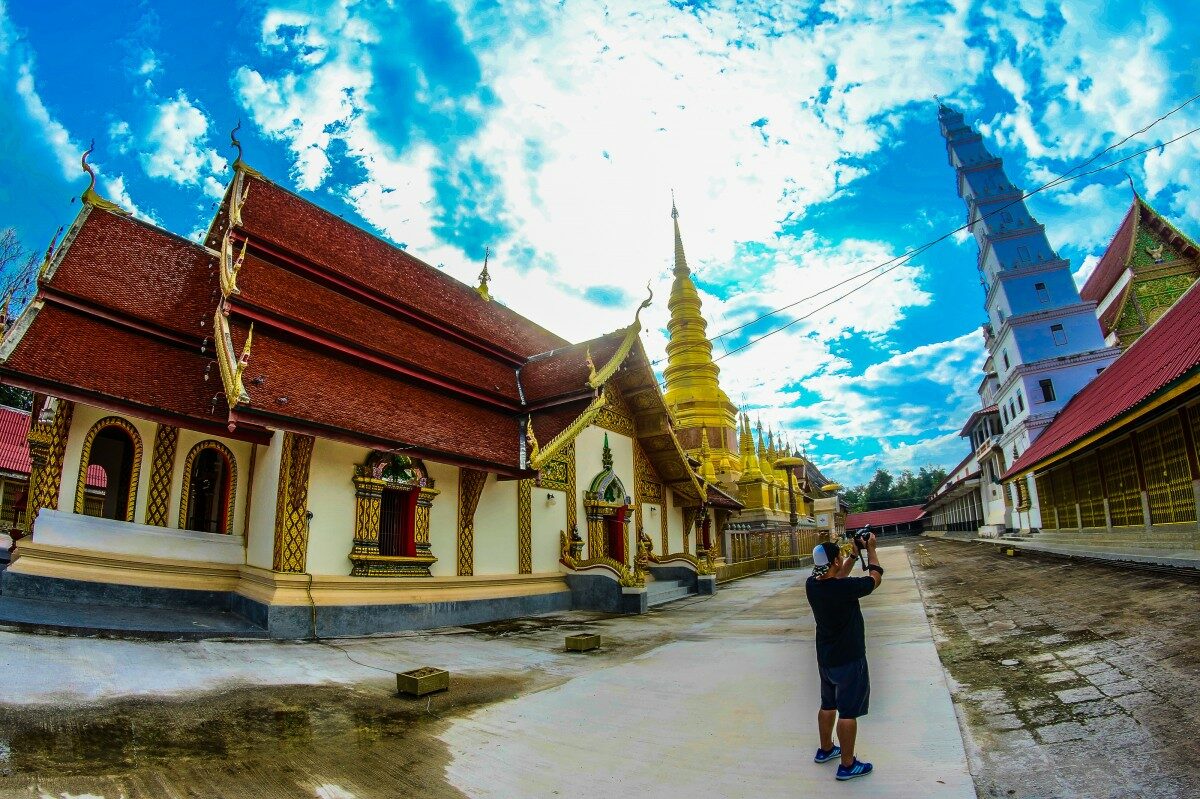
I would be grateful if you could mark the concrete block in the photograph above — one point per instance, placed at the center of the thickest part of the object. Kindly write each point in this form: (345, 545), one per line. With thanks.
(425, 680)
(584, 642)
(706, 584)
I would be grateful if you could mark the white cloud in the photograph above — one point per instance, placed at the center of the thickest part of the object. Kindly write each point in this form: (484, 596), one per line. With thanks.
(66, 151)
(177, 145)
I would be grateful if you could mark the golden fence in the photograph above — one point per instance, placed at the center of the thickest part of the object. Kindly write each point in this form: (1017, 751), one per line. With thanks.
(773, 550)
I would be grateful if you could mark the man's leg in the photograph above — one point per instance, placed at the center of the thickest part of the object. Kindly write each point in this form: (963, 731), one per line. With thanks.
(847, 730)
(825, 720)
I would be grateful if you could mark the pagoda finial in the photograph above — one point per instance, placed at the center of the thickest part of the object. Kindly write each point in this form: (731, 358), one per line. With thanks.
(681, 267)
(606, 457)
(45, 267)
(1132, 185)
(750, 466)
(484, 276)
(233, 139)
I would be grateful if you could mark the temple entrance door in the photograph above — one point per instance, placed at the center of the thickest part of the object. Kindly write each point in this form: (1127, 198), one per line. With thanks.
(210, 488)
(397, 523)
(706, 533)
(113, 451)
(616, 534)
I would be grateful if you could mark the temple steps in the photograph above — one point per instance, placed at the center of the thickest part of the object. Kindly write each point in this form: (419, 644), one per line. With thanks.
(660, 592)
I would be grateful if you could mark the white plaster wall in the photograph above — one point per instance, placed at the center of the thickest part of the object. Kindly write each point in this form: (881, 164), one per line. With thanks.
(81, 421)
(652, 525)
(496, 528)
(548, 521)
(260, 537)
(241, 455)
(443, 519)
(331, 502)
(589, 449)
(674, 524)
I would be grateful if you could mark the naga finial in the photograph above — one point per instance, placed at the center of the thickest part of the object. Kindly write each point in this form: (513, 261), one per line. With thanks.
(49, 254)
(531, 441)
(637, 322)
(91, 189)
(244, 360)
(233, 139)
(590, 364)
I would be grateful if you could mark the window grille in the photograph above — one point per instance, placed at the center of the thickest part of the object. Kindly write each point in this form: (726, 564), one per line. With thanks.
(1168, 481)
(1059, 335)
(1124, 494)
(1091, 494)
(1023, 502)
(1047, 387)
(1043, 294)
(1064, 496)
(1046, 502)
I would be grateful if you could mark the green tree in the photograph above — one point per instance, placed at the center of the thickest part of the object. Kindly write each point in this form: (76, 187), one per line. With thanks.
(883, 491)
(18, 285)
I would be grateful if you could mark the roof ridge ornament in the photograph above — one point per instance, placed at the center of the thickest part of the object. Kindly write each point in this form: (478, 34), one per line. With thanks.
(238, 163)
(598, 377)
(44, 270)
(90, 196)
(484, 276)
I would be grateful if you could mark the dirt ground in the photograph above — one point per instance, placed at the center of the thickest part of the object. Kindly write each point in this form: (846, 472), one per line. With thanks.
(1071, 679)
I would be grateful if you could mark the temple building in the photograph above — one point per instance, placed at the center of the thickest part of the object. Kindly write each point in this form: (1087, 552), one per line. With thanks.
(1147, 267)
(1044, 343)
(302, 424)
(747, 476)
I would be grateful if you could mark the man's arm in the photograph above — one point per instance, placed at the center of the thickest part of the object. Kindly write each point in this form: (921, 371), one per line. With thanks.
(873, 560)
(847, 566)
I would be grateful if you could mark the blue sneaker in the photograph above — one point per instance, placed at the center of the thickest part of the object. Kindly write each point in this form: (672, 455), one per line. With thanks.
(824, 757)
(856, 769)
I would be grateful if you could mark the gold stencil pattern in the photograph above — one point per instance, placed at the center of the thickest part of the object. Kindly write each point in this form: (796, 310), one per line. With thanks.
(470, 489)
(85, 456)
(572, 490)
(185, 500)
(162, 470)
(291, 506)
(525, 526)
(47, 445)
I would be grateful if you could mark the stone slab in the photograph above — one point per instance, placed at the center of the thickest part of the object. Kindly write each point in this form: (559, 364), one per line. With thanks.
(66, 618)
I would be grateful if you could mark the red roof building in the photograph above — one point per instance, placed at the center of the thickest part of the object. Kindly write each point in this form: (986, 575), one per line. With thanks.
(902, 519)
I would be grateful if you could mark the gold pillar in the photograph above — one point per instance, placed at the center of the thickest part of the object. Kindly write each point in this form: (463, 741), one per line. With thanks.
(47, 445)
(291, 506)
(470, 489)
(162, 470)
(525, 526)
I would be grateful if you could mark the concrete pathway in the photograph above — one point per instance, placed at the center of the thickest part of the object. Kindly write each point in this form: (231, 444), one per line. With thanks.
(728, 709)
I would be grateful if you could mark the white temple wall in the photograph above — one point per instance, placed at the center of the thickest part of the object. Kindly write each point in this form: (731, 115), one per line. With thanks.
(674, 524)
(589, 462)
(548, 521)
(241, 456)
(82, 420)
(331, 502)
(443, 519)
(260, 536)
(496, 528)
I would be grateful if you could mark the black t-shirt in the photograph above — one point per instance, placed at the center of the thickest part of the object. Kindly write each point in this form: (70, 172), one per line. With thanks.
(840, 636)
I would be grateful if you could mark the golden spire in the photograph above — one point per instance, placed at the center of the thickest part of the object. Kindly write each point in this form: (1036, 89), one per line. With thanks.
(707, 470)
(484, 277)
(750, 467)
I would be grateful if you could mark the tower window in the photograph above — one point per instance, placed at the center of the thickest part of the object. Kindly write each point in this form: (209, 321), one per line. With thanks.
(1023, 253)
(1005, 353)
(1042, 293)
(1005, 216)
(1047, 387)
(1060, 335)
(1020, 400)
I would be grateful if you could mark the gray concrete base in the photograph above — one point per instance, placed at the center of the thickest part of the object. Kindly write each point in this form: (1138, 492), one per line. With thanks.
(79, 606)
(672, 573)
(706, 584)
(634, 600)
(595, 592)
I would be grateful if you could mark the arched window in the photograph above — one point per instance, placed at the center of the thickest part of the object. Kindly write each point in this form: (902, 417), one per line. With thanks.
(209, 489)
(108, 470)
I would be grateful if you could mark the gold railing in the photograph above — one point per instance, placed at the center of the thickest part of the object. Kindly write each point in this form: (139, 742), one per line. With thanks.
(773, 559)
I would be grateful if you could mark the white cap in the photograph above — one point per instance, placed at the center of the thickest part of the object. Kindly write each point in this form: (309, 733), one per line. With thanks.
(820, 557)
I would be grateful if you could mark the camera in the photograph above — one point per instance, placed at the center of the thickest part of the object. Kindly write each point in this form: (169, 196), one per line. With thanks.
(861, 538)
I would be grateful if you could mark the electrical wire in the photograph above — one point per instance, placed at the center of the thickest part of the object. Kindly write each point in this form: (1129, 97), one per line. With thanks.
(907, 256)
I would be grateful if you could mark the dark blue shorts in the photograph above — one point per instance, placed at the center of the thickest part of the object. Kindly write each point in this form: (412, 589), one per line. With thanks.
(846, 688)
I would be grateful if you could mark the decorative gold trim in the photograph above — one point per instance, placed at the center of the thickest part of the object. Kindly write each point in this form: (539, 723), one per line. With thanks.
(232, 367)
(368, 497)
(47, 448)
(162, 472)
(569, 557)
(89, 196)
(291, 504)
(525, 526)
(569, 433)
(86, 454)
(231, 265)
(185, 499)
(470, 489)
(572, 488)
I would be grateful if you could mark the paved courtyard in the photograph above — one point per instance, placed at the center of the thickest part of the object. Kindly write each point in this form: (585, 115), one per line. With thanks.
(703, 697)
(1074, 679)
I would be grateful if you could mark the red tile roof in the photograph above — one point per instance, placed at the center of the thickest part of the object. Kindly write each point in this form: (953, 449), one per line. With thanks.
(1112, 263)
(14, 447)
(716, 498)
(976, 416)
(303, 229)
(1167, 352)
(886, 517)
(565, 370)
(293, 298)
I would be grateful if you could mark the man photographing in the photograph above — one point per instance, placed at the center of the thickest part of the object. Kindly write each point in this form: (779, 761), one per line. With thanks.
(842, 648)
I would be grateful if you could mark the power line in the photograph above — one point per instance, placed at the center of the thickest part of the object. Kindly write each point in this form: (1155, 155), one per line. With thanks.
(904, 258)
(907, 256)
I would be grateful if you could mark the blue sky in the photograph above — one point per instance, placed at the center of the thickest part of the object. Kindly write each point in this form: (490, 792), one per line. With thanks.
(801, 143)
